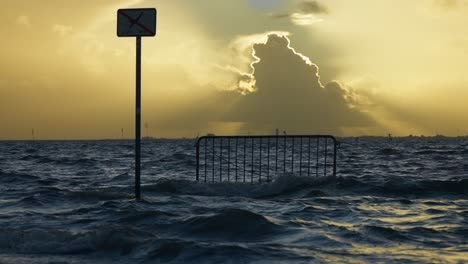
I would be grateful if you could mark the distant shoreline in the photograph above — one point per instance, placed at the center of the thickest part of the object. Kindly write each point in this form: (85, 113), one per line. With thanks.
(185, 138)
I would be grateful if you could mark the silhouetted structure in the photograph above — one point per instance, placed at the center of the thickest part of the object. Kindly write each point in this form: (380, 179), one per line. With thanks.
(259, 158)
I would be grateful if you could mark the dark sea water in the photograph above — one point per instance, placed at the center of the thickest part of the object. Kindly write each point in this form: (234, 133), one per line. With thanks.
(71, 202)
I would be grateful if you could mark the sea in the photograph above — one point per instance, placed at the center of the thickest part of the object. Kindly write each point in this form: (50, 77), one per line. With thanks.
(403, 200)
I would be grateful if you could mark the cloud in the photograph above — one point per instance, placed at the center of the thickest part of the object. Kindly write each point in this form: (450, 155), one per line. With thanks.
(312, 7)
(283, 90)
(304, 19)
(237, 64)
(23, 21)
(290, 96)
(62, 30)
(264, 4)
(446, 3)
(307, 14)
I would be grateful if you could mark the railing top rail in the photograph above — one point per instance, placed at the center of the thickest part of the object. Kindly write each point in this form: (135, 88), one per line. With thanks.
(268, 136)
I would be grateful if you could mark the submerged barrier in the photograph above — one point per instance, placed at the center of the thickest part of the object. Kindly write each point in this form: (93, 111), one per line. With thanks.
(261, 158)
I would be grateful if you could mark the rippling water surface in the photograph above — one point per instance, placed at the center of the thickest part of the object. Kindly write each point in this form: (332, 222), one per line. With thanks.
(71, 202)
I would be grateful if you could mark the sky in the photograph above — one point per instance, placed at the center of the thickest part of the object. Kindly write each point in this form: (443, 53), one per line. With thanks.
(341, 67)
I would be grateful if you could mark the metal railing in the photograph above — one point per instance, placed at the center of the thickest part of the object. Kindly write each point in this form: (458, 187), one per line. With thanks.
(261, 158)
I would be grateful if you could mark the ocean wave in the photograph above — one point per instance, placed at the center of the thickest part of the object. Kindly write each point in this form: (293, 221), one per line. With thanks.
(30, 201)
(381, 232)
(303, 187)
(232, 225)
(76, 161)
(179, 158)
(120, 177)
(31, 150)
(405, 186)
(283, 184)
(181, 251)
(39, 158)
(97, 195)
(437, 151)
(146, 216)
(12, 177)
(56, 241)
(388, 151)
(67, 161)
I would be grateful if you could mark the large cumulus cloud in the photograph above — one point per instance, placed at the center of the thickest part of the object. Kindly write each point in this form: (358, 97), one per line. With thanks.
(283, 90)
(290, 96)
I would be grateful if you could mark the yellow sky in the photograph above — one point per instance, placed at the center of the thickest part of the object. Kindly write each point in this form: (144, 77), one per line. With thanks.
(386, 66)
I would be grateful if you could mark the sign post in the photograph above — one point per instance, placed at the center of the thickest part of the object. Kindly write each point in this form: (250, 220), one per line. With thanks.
(140, 22)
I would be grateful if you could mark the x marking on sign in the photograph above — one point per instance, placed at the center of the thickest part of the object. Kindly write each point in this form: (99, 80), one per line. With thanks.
(136, 22)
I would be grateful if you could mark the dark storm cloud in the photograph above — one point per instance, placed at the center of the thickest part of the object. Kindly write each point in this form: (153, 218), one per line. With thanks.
(289, 95)
(312, 7)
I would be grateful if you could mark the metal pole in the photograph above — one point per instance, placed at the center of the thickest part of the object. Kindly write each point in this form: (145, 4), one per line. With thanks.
(138, 119)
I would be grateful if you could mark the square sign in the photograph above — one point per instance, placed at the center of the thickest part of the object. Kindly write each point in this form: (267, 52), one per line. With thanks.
(139, 22)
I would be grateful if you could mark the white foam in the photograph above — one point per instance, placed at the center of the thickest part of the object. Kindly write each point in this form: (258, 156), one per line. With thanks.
(279, 185)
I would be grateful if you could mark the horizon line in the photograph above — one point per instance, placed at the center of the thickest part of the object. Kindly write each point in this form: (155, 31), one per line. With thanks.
(189, 138)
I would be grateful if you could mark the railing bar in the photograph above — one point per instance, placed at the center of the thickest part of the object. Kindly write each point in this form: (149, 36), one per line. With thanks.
(308, 160)
(245, 155)
(260, 162)
(220, 158)
(213, 159)
(276, 157)
(334, 157)
(284, 154)
(198, 161)
(292, 157)
(268, 160)
(229, 158)
(237, 139)
(300, 160)
(325, 166)
(317, 162)
(252, 164)
(206, 153)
